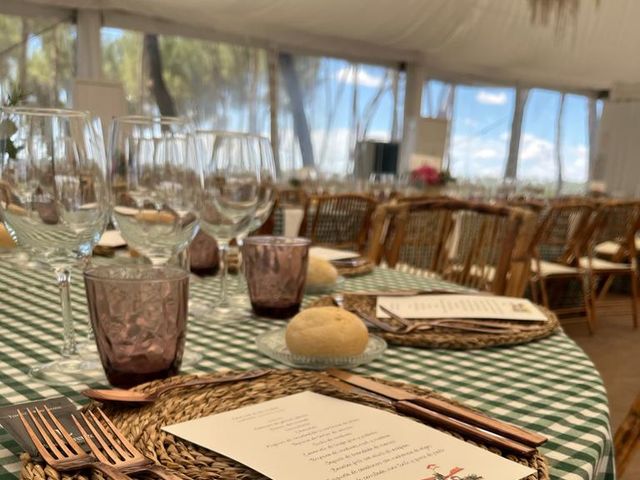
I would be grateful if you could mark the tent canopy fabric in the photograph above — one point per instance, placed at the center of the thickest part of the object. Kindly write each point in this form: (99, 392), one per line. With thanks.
(461, 40)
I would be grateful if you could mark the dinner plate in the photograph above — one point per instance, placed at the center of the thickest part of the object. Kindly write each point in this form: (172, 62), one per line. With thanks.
(273, 345)
(324, 289)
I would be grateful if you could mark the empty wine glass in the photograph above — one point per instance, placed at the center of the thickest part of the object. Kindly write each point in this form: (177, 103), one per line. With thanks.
(155, 178)
(55, 203)
(231, 192)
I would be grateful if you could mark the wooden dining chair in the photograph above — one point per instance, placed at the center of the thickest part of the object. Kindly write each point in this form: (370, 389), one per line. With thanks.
(285, 199)
(476, 245)
(626, 440)
(556, 248)
(339, 221)
(615, 222)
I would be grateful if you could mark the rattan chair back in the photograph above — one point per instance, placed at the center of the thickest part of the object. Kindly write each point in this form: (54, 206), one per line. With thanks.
(340, 221)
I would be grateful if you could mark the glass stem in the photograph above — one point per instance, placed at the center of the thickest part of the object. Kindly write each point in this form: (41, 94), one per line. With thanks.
(224, 270)
(69, 346)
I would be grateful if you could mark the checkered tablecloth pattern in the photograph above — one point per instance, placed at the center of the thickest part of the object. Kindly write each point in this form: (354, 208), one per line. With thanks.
(548, 386)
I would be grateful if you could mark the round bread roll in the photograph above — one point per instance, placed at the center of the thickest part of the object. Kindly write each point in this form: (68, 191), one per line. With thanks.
(326, 332)
(321, 273)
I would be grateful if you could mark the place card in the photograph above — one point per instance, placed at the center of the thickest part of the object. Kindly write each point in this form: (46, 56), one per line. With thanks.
(316, 437)
(460, 306)
(331, 254)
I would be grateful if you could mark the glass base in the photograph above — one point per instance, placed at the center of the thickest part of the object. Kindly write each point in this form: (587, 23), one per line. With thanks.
(191, 358)
(70, 371)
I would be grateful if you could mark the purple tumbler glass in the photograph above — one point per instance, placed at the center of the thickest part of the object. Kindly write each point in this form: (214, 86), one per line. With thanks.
(276, 270)
(139, 317)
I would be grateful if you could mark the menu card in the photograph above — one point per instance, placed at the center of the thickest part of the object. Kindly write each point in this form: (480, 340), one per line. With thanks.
(315, 437)
(331, 254)
(460, 306)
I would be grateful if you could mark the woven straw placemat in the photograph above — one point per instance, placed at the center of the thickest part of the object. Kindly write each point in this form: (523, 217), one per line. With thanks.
(143, 425)
(442, 338)
(356, 271)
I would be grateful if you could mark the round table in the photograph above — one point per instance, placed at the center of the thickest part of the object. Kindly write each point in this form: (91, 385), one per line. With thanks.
(549, 386)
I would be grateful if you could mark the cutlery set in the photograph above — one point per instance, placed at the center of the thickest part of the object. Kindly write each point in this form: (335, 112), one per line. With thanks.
(409, 326)
(433, 411)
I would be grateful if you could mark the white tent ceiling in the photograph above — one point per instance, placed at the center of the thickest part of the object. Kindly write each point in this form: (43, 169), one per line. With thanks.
(466, 40)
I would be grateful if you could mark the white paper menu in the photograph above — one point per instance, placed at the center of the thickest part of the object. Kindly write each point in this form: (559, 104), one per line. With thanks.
(461, 306)
(315, 437)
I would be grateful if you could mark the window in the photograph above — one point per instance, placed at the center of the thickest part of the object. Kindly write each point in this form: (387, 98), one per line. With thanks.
(480, 132)
(537, 161)
(39, 55)
(343, 103)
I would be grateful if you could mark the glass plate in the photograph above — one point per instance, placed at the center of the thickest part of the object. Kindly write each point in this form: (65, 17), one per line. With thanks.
(322, 289)
(273, 345)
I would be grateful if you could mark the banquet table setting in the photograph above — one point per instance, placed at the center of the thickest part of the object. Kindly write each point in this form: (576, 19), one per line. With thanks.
(548, 386)
(318, 357)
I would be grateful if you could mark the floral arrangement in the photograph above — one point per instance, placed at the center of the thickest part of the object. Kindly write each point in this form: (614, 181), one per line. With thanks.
(427, 175)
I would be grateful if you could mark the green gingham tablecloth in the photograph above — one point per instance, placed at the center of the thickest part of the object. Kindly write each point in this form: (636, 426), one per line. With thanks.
(548, 386)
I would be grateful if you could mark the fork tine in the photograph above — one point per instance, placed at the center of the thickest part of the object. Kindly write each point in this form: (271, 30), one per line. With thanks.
(133, 450)
(43, 432)
(92, 446)
(36, 440)
(100, 434)
(52, 431)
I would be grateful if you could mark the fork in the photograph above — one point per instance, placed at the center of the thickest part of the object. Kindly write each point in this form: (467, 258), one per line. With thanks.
(117, 451)
(63, 454)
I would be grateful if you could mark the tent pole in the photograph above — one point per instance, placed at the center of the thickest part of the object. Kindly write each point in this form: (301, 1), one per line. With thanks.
(89, 58)
(412, 106)
(593, 136)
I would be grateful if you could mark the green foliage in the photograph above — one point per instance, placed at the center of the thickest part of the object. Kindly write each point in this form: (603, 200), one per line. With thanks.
(7, 127)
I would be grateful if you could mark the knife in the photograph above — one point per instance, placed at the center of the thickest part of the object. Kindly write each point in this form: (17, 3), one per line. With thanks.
(437, 419)
(459, 413)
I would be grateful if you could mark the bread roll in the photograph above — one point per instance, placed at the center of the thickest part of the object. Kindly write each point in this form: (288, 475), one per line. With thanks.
(326, 332)
(320, 273)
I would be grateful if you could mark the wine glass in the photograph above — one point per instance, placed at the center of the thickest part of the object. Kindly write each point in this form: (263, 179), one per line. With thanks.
(266, 200)
(155, 179)
(231, 164)
(54, 203)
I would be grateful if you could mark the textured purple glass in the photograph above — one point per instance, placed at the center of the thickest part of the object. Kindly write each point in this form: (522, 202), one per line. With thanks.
(276, 269)
(139, 316)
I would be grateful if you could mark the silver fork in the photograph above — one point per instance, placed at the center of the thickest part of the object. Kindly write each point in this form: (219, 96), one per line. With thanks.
(63, 454)
(120, 454)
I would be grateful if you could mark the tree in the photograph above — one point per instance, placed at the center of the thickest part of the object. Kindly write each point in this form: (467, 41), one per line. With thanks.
(294, 90)
(163, 97)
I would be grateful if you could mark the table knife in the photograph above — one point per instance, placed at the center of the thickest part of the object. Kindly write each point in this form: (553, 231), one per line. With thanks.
(454, 411)
(433, 418)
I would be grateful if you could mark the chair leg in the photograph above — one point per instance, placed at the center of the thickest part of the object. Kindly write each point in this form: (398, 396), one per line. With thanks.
(533, 288)
(605, 287)
(543, 290)
(589, 302)
(634, 298)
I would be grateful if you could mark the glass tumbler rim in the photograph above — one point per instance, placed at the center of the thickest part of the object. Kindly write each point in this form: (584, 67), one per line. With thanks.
(98, 273)
(277, 240)
(45, 112)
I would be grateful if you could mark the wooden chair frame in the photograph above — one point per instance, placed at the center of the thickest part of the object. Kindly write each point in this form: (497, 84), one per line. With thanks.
(571, 253)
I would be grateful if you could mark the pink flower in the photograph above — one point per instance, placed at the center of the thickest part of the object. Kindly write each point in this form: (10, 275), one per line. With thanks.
(426, 174)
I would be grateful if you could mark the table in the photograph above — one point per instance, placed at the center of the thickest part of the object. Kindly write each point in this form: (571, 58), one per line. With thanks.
(549, 386)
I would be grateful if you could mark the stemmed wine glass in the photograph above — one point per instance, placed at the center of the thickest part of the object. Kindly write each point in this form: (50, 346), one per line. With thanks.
(266, 200)
(155, 179)
(55, 203)
(230, 193)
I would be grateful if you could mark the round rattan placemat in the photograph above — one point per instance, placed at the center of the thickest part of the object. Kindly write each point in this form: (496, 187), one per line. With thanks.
(358, 270)
(439, 338)
(143, 425)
